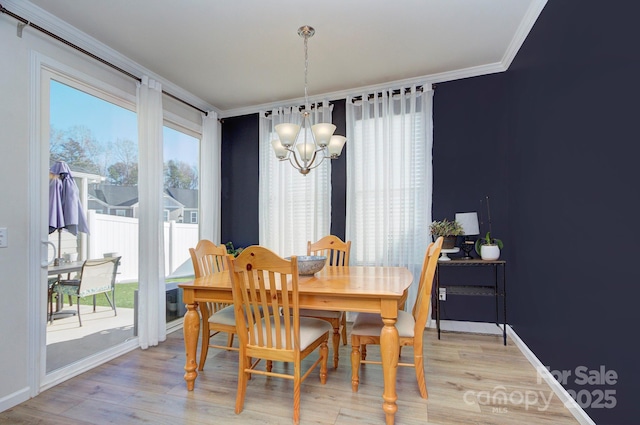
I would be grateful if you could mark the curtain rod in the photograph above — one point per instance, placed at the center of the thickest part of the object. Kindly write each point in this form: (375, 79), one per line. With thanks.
(24, 22)
(393, 92)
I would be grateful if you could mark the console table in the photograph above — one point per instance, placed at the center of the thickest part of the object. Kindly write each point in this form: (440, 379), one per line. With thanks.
(484, 290)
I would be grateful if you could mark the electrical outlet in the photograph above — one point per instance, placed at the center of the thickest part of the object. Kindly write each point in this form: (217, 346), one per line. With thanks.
(4, 237)
(442, 295)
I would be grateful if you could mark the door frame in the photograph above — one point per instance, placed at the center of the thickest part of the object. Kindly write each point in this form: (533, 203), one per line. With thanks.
(42, 69)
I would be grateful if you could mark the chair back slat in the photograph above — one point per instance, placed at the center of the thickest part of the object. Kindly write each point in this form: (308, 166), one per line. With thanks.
(208, 258)
(335, 249)
(423, 298)
(262, 282)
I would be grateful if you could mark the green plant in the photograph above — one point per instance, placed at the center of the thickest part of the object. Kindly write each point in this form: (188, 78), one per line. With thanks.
(231, 250)
(446, 228)
(487, 240)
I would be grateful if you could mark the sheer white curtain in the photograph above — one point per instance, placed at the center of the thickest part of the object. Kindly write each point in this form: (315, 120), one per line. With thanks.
(294, 208)
(151, 287)
(389, 179)
(210, 178)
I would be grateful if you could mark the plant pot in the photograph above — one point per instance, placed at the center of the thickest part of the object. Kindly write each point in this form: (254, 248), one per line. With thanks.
(449, 242)
(490, 252)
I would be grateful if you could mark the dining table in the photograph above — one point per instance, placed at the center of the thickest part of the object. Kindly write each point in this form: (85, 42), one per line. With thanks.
(370, 289)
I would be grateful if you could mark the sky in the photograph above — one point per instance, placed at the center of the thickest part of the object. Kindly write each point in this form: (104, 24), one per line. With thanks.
(70, 107)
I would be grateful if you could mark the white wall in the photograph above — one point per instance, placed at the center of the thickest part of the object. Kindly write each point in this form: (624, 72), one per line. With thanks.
(14, 175)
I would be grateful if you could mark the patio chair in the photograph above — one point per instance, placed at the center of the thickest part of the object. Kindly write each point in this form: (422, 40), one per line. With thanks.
(261, 281)
(337, 253)
(96, 277)
(209, 258)
(367, 326)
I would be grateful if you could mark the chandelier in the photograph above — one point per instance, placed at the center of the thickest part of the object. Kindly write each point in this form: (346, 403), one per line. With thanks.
(308, 152)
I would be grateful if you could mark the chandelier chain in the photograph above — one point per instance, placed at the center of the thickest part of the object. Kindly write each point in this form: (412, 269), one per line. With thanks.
(306, 67)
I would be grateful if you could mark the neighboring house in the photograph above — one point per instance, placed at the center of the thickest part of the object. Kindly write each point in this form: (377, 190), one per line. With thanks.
(180, 205)
(188, 198)
(113, 200)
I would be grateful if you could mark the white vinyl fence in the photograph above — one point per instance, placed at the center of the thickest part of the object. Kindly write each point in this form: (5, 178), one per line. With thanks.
(119, 235)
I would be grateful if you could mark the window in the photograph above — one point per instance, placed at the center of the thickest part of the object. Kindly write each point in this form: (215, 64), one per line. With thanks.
(181, 152)
(389, 179)
(94, 131)
(294, 208)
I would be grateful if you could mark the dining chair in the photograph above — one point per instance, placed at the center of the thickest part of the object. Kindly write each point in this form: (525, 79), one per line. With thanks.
(209, 258)
(367, 326)
(263, 281)
(96, 277)
(337, 253)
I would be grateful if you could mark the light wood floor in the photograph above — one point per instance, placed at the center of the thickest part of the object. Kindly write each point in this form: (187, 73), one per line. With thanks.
(466, 376)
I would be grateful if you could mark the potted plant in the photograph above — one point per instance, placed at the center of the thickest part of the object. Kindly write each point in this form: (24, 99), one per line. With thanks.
(488, 247)
(231, 250)
(448, 230)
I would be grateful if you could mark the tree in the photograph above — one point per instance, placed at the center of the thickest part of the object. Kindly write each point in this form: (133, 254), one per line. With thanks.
(123, 174)
(124, 171)
(76, 146)
(180, 175)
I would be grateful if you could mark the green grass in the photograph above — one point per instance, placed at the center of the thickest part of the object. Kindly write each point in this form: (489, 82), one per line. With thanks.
(124, 294)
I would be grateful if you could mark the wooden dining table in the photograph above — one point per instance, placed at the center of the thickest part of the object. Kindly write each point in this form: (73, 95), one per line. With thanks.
(358, 289)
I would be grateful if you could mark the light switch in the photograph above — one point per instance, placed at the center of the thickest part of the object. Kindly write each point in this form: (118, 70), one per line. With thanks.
(4, 236)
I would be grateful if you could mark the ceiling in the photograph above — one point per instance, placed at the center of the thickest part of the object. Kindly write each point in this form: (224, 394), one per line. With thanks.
(234, 55)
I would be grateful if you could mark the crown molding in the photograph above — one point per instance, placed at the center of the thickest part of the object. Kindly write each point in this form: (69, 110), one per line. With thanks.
(342, 94)
(529, 19)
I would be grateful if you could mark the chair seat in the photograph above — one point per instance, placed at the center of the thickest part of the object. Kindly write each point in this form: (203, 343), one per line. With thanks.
(327, 314)
(370, 324)
(310, 329)
(226, 316)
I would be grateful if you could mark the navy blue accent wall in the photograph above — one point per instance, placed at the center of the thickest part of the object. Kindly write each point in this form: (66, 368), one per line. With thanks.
(240, 177)
(561, 124)
(339, 175)
(470, 164)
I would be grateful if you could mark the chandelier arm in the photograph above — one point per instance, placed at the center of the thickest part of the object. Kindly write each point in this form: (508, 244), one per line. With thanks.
(322, 158)
(297, 165)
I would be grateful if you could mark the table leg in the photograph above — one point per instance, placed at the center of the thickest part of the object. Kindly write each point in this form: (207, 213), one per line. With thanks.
(389, 351)
(191, 328)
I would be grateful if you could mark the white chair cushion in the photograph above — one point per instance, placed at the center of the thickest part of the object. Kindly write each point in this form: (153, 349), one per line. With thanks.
(310, 329)
(329, 314)
(370, 324)
(226, 316)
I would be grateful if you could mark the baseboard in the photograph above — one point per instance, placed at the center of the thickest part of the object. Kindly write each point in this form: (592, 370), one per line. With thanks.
(470, 327)
(11, 400)
(575, 409)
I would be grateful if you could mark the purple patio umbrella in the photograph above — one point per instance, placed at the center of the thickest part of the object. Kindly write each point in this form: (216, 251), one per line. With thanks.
(65, 209)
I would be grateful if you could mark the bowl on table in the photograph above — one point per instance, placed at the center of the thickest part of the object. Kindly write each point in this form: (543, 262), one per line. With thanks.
(310, 264)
